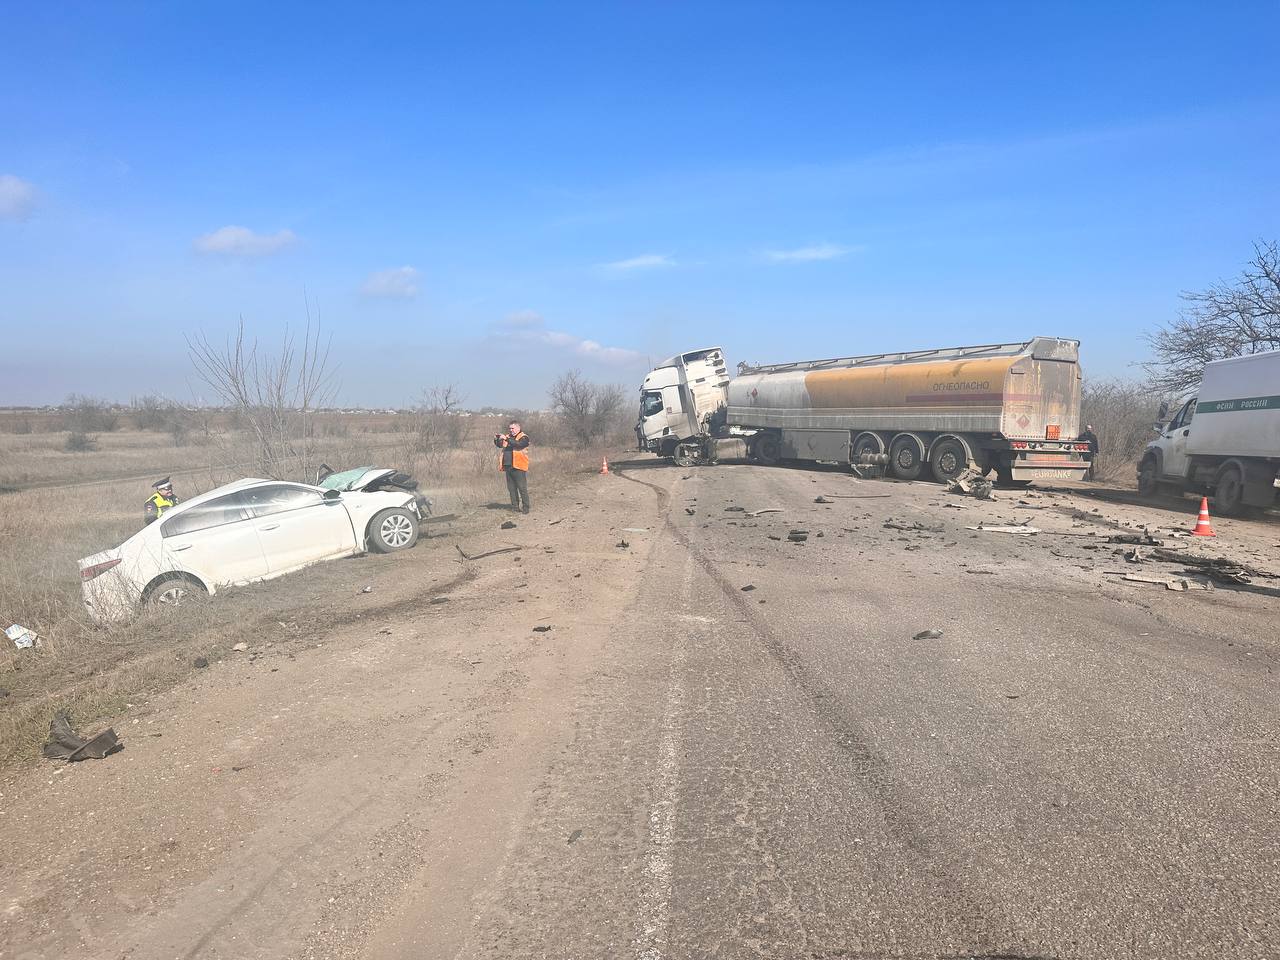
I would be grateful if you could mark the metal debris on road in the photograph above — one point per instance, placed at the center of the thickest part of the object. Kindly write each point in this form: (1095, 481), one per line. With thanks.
(972, 484)
(748, 588)
(487, 553)
(928, 635)
(622, 544)
(542, 629)
(820, 499)
(735, 509)
(757, 513)
(798, 536)
(508, 525)
(366, 589)
(65, 744)
(1020, 530)
(239, 647)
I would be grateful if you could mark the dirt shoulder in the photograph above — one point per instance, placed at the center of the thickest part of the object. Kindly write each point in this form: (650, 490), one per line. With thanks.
(283, 790)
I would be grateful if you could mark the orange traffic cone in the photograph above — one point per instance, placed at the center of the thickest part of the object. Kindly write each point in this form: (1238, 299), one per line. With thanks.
(604, 469)
(1202, 522)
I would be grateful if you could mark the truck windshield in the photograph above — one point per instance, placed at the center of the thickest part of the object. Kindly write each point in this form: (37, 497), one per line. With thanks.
(650, 404)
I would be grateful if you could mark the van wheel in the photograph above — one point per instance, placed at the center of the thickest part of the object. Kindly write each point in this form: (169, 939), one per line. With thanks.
(906, 459)
(948, 461)
(1147, 482)
(1228, 492)
(392, 530)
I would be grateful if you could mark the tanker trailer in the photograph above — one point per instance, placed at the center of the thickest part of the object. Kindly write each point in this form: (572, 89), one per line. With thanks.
(1012, 408)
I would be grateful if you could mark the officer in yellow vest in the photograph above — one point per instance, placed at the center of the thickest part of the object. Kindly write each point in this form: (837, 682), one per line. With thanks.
(514, 445)
(160, 501)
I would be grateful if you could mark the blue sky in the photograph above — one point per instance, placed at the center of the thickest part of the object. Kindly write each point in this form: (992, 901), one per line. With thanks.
(491, 194)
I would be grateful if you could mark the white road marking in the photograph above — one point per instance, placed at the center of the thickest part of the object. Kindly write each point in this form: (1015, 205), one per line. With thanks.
(655, 896)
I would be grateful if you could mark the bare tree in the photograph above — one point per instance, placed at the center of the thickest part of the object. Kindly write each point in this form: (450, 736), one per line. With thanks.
(590, 412)
(82, 414)
(438, 427)
(273, 397)
(1230, 319)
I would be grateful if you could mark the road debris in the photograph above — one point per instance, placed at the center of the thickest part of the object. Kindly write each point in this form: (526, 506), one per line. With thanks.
(542, 629)
(798, 536)
(366, 589)
(928, 635)
(65, 744)
(820, 499)
(758, 513)
(973, 484)
(1170, 583)
(552, 523)
(735, 509)
(748, 588)
(508, 525)
(435, 600)
(487, 553)
(239, 647)
(635, 529)
(1025, 530)
(914, 526)
(23, 637)
(622, 544)
(689, 511)
(200, 662)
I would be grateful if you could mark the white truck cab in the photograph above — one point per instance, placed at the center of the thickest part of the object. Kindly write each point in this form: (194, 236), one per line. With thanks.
(1225, 441)
(679, 397)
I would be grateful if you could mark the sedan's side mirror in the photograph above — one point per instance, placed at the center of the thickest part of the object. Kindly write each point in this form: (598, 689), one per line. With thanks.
(332, 495)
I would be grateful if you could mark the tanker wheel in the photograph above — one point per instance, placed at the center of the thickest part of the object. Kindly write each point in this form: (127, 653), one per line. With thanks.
(906, 458)
(948, 460)
(866, 444)
(768, 449)
(687, 454)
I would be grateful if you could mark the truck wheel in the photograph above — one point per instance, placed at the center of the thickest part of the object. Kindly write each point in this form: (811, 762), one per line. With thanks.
(948, 460)
(866, 443)
(1228, 492)
(392, 530)
(687, 454)
(1147, 482)
(768, 449)
(906, 458)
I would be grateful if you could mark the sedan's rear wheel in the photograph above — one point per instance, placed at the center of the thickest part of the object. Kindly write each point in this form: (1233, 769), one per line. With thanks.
(174, 592)
(392, 530)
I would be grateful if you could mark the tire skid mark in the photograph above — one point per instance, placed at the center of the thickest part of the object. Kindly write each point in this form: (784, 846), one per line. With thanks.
(870, 766)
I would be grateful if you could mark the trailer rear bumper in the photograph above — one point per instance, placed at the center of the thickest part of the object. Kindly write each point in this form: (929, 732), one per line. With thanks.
(1040, 467)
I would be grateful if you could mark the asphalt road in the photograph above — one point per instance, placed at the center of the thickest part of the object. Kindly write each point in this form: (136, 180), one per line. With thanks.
(1073, 769)
(1078, 766)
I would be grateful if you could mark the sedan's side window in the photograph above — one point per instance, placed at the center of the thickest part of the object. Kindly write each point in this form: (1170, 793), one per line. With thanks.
(279, 497)
(202, 516)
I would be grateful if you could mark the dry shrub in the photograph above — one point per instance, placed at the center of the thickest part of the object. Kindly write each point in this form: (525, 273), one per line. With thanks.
(1122, 413)
(78, 442)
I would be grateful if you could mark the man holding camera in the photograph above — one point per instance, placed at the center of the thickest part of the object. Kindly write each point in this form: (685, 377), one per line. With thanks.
(514, 445)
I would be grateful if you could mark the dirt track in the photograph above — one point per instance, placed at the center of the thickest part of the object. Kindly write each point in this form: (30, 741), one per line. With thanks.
(1079, 766)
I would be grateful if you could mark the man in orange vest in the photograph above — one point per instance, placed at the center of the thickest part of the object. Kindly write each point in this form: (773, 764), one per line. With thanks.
(514, 445)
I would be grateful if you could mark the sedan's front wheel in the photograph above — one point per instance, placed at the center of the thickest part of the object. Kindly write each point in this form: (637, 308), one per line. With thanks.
(392, 530)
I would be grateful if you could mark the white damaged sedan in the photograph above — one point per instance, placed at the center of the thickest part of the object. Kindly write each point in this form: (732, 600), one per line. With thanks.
(251, 530)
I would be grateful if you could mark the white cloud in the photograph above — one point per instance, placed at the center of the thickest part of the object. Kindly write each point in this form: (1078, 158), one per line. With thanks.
(819, 251)
(647, 261)
(17, 197)
(528, 326)
(397, 283)
(243, 242)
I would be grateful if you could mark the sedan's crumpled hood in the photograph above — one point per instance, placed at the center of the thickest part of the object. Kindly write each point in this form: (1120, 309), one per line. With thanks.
(357, 479)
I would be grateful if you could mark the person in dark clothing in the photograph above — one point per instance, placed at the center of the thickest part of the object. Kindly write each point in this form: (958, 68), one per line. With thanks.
(1091, 439)
(514, 445)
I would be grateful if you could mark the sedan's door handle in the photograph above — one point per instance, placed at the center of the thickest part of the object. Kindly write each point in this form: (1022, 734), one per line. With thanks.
(270, 526)
(182, 546)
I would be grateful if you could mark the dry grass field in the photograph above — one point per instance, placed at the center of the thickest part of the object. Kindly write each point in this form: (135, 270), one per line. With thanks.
(59, 506)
